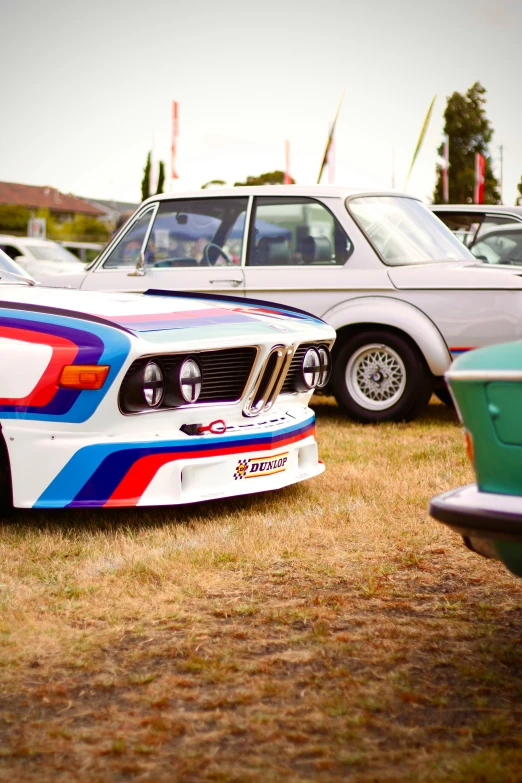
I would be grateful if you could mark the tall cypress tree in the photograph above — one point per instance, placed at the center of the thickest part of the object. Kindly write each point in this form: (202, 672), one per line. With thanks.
(161, 177)
(145, 182)
(469, 131)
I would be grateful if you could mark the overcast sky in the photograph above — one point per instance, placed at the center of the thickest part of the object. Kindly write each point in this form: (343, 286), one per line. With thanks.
(85, 85)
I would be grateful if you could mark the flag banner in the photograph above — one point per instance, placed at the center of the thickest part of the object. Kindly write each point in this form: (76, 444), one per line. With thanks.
(331, 162)
(480, 178)
(421, 139)
(445, 171)
(175, 133)
(154, 167)
(287, 179)
(326, 158)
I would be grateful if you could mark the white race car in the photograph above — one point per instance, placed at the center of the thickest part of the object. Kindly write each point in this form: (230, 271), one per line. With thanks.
(125, 399)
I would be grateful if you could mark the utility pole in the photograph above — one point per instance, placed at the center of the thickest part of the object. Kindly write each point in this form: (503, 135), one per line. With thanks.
(501, 150)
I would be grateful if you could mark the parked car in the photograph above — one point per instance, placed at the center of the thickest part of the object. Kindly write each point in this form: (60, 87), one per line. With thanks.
(403, 294)
(502, 245)
(487, 388)
(124, 400)
(85, 251)
(40, 257)
(469, 221)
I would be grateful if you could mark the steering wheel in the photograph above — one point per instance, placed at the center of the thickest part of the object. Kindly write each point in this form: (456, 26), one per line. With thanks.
(222, 252)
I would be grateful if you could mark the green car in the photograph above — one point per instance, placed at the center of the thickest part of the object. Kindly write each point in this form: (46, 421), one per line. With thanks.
(486, 386)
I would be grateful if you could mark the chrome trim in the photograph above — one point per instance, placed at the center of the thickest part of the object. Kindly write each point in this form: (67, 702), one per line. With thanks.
(248, 410)
(483, 375)
(281, 378)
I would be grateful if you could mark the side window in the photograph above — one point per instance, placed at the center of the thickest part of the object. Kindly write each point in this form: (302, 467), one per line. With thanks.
(127, 251)
(197, 232)
(491, 221)
(11, 251)
(296, 232)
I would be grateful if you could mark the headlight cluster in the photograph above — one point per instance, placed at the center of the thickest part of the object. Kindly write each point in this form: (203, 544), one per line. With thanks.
(315, 369)
(148, 385)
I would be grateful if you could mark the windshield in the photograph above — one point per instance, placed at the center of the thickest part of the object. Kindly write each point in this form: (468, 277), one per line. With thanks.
(51, 252)
(404, 231)
(11, 272)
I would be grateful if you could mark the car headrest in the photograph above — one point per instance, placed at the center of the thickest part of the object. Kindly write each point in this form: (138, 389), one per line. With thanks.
(316, 249)
(272, 251)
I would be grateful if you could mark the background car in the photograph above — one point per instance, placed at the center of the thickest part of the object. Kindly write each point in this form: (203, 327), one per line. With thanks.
(403, 294)
(469, 221)
(123, 400)
(487, 388)
(502, 245)
(85, 251)
(40, 257)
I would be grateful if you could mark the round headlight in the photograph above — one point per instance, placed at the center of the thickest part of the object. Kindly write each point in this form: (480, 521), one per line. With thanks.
(153, 385)
(310, 368)
(190, 380)
(324, 366)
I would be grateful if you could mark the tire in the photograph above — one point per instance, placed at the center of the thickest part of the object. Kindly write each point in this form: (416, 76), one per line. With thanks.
(381, 376)
(6, 495)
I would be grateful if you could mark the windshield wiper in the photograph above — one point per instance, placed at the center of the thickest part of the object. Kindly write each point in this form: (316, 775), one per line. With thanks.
(22, 277)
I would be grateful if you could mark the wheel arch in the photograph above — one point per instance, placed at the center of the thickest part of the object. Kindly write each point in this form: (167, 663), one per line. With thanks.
(400, 317)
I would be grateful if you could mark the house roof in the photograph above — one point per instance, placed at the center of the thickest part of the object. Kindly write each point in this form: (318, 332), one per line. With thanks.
(37, 196)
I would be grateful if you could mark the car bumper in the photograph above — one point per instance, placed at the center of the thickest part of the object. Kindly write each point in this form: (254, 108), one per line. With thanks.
(165, 468)
(485, 515)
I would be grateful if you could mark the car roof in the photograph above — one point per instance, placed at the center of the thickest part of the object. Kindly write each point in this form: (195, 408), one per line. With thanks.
(505, 229)
(318, 191)
(26, 240)
(479, 208)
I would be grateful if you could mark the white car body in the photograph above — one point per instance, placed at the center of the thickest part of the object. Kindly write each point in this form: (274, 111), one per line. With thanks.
(86, 446)
(40, 258)
(335, 252)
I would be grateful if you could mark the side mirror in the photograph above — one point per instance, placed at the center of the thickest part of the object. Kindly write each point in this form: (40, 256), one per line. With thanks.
(140, 266)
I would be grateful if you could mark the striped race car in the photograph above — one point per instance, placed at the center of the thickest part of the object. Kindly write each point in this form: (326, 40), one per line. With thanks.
(152, 399)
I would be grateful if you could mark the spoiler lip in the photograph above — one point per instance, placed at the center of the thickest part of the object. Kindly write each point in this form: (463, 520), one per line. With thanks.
(274, 306)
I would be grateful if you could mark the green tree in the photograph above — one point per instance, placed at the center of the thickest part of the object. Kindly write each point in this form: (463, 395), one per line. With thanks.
(145, 182)
(14, 218)
(270, 178)
(161, 177)
(469, 131)
(519, 188)
(213, 182)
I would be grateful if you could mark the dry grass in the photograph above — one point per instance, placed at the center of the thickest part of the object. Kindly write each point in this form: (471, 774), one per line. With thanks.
(327, 632)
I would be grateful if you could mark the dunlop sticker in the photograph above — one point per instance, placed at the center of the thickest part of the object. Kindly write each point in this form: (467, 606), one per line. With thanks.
(256, 467)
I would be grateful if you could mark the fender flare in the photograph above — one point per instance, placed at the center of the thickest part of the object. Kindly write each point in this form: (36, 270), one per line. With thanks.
(387, 311)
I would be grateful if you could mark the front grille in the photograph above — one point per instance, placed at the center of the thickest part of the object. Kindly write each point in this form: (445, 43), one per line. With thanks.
(224, 373)
(295, 368)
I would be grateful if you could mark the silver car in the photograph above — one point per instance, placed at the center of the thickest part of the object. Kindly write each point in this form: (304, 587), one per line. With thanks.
(404, 295)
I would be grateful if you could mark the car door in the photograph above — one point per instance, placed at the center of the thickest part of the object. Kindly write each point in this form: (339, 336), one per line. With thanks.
(179, 245)
(299, 254)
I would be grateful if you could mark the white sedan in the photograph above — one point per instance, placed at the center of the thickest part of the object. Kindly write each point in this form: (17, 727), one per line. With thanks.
(403, 294)
(40, 257)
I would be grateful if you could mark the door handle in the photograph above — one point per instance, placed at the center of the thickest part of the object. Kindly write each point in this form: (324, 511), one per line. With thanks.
(231, 280)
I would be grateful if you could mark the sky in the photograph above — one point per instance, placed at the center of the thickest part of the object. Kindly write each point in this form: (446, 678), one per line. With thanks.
(85, 87)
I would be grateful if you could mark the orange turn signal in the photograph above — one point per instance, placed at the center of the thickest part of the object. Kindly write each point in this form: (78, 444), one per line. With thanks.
(84, 376)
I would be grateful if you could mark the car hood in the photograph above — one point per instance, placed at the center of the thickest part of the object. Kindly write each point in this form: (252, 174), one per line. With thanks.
(455, 275)
(159, 318)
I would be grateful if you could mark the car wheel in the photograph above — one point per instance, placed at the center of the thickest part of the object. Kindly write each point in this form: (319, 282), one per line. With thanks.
(380, 376)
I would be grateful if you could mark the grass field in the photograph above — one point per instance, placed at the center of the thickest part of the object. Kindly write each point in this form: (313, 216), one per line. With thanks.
(328, 632)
